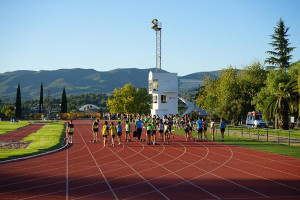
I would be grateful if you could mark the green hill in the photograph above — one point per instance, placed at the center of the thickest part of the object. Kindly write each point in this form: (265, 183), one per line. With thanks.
(79, 81)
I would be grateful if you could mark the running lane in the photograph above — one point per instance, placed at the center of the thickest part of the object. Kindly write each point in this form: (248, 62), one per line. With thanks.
(135, 170)
(20, 134)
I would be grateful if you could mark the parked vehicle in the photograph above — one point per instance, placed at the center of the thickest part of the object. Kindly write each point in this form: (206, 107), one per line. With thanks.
(254, 119)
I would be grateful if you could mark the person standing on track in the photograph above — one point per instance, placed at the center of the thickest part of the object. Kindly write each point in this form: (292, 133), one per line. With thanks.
(199, 128)
(127, 129)
(154, 132)
(105, 132)
(149, 132)
(212, 129)
(161, 129)
(166, 134)
(95, 128)
(119, 132)
(70, 131)
(204, 124)
(222, 127)
(138, 126)
(112, 133)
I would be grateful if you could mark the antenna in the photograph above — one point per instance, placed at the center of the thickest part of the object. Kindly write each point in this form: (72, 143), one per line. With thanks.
(157, 28)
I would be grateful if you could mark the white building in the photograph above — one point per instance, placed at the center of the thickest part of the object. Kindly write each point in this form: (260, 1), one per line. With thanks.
(164, 90)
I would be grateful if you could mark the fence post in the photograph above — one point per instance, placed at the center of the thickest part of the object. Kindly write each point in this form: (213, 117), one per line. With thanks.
(228, 131)
(267, 135)
(249, 132)
(289, 137)
(242, 131)
(258, 134)
(277, 137)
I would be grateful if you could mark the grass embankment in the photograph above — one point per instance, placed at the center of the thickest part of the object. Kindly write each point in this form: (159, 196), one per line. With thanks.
(293, 151)
(6, 126)
(48, 138)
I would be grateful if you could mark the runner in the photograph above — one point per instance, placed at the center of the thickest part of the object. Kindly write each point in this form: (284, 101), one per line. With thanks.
(127, 128)
(154, 127)
(161, 129)
(204, 125)
(199, 128)
(119, 131)
(222, 127)
(95, 128)
(70, 131)
(187, 130)
(166, 135)
(112, 133)
(149, 132)
(212, 129)
(138, 126)
(104, 132)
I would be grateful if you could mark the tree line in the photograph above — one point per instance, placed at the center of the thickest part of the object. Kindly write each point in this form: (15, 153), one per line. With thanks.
(272, 89)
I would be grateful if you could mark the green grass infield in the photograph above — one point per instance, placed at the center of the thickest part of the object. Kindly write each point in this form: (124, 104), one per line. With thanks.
(282, 149)
(49, 137)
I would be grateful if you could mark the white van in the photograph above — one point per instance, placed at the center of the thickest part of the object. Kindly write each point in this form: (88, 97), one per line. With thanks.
(254, 119)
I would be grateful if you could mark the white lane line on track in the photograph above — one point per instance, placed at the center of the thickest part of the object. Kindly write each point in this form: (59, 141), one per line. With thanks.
(138, 174)
(298, 189)
(210, 172)
(286, 158)
(164, 175)
(250, 173)
(112, 191)
(172, 172)
(264, 158)
(157, 190)
(128, 175)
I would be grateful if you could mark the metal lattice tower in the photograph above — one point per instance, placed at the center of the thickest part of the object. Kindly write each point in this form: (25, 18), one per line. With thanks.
(157, 27)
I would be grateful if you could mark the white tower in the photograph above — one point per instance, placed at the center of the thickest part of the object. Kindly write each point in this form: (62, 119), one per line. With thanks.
(164, 90)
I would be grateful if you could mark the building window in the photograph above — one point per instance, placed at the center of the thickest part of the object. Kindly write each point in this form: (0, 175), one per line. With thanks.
(163, 99)
(154, 98)
(150, 85)
(155, 85)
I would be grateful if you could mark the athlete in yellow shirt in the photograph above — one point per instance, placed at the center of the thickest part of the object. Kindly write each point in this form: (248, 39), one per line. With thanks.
(104, 132)
(112, 133)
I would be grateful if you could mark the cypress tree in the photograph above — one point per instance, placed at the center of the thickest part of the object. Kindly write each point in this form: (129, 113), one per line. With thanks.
(18, 103)
(64, 102)
(281, 55)
(41, 98)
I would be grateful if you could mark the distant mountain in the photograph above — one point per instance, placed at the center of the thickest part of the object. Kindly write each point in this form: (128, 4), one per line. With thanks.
(79, 81)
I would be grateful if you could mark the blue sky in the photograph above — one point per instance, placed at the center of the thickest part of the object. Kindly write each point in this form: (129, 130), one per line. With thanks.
(197, 35)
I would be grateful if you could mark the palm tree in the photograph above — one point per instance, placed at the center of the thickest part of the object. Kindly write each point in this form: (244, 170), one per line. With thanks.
(282, 102)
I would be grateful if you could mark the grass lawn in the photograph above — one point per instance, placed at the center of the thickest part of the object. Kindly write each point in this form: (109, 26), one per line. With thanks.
(7, 126)
(293, 151)
(48, 138)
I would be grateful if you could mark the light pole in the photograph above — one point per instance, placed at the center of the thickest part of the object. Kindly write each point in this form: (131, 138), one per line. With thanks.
(157, 27)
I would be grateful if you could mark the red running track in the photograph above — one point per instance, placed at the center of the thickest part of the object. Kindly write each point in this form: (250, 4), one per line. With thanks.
(135, 170)
(20, 134)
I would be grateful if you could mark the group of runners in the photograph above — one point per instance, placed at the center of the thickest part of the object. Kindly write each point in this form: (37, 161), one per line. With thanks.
(156, 129)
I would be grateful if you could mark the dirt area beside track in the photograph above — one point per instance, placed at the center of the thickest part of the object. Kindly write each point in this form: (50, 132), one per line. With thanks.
(13, 145)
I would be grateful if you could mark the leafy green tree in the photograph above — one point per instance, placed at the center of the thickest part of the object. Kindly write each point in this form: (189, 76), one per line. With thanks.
(64, 102)
(18, 103)
(128, 99)
(41, 98)
(8, 110)
(230, 95)
(280, 57)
